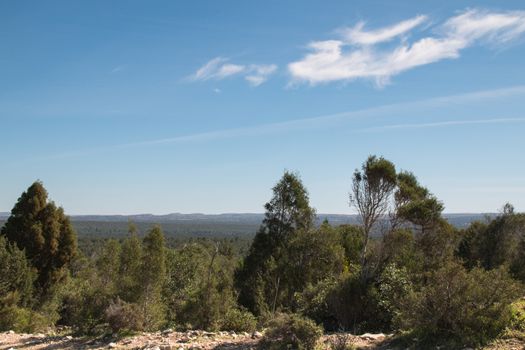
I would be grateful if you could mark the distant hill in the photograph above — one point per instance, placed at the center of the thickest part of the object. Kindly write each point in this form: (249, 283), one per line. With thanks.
(203, 225)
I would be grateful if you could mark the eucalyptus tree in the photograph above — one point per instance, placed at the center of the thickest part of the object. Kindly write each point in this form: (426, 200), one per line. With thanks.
(260, 279)
(372, 189)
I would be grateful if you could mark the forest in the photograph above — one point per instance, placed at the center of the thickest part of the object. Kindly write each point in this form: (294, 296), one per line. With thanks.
(421, 278)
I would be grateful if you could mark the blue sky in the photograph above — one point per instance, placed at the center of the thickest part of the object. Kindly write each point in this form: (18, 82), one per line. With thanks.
(199, 106)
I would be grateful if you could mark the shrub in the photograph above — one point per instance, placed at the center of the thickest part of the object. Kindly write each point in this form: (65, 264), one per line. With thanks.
(470, 306)
(341, 341)
(314, 302)
(287, 331)
(394, 285)
(239, 321)
(124, 316)
(20, 319)
(517, 320)
(347, 303)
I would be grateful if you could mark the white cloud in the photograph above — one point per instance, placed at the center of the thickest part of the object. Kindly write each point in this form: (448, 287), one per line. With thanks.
(219, 69)
(359, 53)
(260, 73)
(357, 35)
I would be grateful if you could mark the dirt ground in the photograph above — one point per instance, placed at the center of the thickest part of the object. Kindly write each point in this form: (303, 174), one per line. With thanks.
(167, 340)
(198, 340)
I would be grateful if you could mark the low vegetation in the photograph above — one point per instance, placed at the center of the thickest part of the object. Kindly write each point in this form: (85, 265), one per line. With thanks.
(422, 277)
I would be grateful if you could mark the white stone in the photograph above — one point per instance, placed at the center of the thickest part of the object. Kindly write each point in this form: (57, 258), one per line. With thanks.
(370, 336)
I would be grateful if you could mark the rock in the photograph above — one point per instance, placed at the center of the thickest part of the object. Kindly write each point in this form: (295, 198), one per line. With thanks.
(112, 345)
(256, 335)
(11, 332)
(370, 336)
(193, 333)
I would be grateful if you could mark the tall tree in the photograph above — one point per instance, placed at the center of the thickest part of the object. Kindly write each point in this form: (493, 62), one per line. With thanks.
(153, 277)
(44, 232)
(259, 280)
(415, 204)
(130, 266)
(372, 188)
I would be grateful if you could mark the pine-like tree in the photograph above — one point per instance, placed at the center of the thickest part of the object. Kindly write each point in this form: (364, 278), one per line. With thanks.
(44, 232)
(260, 280)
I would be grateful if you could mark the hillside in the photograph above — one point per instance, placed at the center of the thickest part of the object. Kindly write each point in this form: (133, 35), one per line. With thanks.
(206, 225)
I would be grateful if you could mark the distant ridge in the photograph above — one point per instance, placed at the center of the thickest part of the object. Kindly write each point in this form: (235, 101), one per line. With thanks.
(458, 219)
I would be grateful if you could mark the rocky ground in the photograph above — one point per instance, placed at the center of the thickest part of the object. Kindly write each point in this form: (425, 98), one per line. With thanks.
(198, 340)
(167, 340)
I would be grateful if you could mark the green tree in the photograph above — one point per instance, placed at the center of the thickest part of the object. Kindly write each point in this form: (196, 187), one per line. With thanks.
(130, 266)
(372, 188)
(44, 232)
(16, 274)
(415, 204)
(260, 279)
(152, 279)
(312, 256)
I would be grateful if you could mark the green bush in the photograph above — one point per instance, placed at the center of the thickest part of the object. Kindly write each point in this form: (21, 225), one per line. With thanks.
(20, 319)
(287, 331)
(239, 321)
(122, 316)
(455, 304)
(315, 302)
(517, 318)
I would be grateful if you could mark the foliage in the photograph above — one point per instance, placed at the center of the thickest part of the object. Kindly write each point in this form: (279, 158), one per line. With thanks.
(291, 331)
(122, 316)
(496, 243)
(261, 280)
(414, 273)
(372, 187)
(517, 318)
(239, 320)
(471, 306)
(341, 341)
(44, 232)
(152, 279)
(16, 275)
(199, 288)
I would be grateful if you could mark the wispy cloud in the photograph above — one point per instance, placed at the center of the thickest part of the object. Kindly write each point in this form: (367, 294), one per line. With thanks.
(445, 124)
(258, 74)
(331, 120)
(358, 53)
(219, 68)
(118, 69)
(357, 35)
